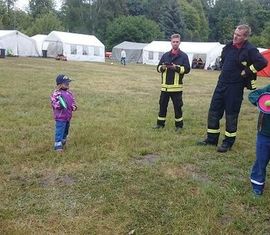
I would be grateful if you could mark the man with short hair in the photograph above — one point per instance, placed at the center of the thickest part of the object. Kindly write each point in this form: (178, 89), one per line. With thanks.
(172, 66)
(240, 62)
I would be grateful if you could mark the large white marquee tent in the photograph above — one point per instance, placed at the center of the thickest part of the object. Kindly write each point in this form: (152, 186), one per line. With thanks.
(75, 46)
(17, 44)
(208, 51)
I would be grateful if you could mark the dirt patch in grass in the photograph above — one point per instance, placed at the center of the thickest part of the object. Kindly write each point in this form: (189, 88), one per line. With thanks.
(45, 179)
(185, 171)
(148, 159)
(50, 178)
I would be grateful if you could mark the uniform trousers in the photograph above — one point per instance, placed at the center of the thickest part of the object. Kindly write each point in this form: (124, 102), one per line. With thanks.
(176, 98)
(226, 98)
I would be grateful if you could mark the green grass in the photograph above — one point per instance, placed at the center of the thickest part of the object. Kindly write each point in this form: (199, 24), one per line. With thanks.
(117, 174)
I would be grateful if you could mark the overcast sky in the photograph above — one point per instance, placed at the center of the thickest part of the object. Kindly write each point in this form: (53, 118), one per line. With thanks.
(23, 4)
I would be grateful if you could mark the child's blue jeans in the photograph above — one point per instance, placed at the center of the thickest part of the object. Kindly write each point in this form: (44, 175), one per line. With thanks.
(61, 132)
(258, 171)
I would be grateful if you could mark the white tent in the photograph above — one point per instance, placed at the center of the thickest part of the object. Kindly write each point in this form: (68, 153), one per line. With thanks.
(75, 46)
(134, 51)
(17, 44)
(153, 52)
(39, 39)
(208, 51)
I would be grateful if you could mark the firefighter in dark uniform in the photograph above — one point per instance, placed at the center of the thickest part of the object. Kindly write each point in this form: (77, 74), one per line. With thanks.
(240, 63)
(172, 66)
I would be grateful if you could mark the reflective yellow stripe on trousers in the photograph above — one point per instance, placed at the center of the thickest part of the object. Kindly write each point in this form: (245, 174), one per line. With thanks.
(213, 131)
(228, 134)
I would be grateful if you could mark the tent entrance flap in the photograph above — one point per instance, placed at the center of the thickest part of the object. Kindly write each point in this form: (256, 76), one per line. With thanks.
(54, 49)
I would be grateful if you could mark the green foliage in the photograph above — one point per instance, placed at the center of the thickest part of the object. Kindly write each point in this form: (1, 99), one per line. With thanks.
(23, 21)
(104, 12)
(135, 7)
(203, 28)
(195, 20)
(10, 5)
(254, 15)
(3, 8)
(265, 4)
(223, 18)
(77, 16)
(171, 20)
(45, 24)
(262, 40)
(266, 35)
(153, 9)
(40, 7)
(132, 28)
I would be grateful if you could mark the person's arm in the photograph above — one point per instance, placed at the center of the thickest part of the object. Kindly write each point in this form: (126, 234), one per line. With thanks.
(73, 105)
(258, 62)
(183, 68)
(161, 67)
(254, 95)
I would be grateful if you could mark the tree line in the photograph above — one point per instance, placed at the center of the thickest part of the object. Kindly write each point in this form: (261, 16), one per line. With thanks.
(115, 21)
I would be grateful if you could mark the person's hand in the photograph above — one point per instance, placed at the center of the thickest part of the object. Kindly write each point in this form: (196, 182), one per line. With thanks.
(173, 66)
(74, 108)
(247, 73)
(163, 66)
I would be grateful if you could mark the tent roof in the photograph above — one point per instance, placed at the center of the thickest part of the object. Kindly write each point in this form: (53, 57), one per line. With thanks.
(158, 46)
(130, 45)
(39, 37)
(74, 38)
(4, 33)
(190, 47)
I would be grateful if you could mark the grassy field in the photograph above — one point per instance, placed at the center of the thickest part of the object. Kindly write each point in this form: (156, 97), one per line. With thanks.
(118, 175)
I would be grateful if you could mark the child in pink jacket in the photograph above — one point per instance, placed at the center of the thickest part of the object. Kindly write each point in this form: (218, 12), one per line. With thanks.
(63, 104)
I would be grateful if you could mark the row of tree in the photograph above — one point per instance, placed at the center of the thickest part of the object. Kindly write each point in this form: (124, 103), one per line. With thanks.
(114, 21)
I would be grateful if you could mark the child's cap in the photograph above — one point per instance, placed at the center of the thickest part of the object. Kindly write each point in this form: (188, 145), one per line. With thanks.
(61, 78)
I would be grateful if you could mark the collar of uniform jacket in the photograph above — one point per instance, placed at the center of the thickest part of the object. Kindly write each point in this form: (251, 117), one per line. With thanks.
(238, 46)
(175, 52)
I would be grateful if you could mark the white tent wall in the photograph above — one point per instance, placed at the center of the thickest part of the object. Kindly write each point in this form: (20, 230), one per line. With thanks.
(39, 39)
(17, 43)
(153, 51)
(134, 51)
(208, 51)
(78, 47)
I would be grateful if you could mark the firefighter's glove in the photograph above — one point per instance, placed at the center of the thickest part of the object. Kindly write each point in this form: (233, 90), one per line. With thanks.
(163, 67)
(247, 73)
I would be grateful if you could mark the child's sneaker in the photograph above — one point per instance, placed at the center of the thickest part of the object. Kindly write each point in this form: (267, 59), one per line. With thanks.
(58, 147)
